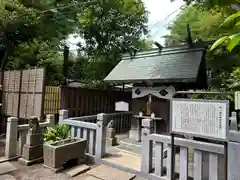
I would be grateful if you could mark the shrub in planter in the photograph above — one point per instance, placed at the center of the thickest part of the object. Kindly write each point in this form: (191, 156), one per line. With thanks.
(59, 132)
(59, 147)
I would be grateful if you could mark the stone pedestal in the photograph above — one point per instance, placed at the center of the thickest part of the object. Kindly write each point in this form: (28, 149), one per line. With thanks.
(33, 149)
(135, 132)
(111, 138)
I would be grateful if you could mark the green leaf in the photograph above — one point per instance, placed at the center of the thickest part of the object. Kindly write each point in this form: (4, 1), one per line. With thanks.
(218, 42)
(238, 23)
(231, 18)
(59, 132)
(233, 41)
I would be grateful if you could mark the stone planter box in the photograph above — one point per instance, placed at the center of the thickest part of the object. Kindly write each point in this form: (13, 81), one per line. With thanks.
(57, 153)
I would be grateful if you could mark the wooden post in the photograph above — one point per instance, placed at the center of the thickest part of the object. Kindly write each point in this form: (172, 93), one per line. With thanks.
(147, 145)
(65, 63)
(63, 114)
(101, 135)
(11, 138)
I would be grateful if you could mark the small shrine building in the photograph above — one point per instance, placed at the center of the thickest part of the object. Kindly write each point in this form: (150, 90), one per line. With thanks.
(156, 75)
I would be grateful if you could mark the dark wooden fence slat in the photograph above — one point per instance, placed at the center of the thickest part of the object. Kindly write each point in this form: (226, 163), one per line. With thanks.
(83, 101)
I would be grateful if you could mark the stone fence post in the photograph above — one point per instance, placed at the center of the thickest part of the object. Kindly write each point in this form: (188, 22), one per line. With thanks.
(146, 151)
(233, 155)
(11, 138)
(101, 136)
(51, 119)
(63, 114)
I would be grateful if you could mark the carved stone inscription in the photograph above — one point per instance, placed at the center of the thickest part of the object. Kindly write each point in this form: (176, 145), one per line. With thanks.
(200, 118)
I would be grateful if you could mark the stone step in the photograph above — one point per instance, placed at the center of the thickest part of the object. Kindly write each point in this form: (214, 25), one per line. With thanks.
(6, 167)
(74, 171)
(109, 173)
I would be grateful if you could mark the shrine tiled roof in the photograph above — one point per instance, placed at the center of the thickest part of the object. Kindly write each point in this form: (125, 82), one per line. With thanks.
(172, 64)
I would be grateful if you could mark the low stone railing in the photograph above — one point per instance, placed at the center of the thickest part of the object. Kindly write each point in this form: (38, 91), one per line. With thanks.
(16, 135)
(122, 120)
(214, 151)
(93, 133)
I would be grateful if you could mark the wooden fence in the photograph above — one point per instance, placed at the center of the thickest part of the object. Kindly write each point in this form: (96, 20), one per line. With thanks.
(52, 100)
(83, 101)
(23, 92)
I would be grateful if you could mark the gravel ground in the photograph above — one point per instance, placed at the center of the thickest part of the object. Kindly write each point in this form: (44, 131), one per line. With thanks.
(39, 172)
(36, 172)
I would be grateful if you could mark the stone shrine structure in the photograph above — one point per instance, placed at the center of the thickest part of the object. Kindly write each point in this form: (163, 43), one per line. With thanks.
(111, 137)
(156, 75)
(33, 149)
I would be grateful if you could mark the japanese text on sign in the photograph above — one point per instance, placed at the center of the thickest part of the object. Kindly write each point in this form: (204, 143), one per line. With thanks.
(200, 118)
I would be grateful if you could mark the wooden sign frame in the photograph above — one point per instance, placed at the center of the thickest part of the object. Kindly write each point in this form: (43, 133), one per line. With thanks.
(197, 134)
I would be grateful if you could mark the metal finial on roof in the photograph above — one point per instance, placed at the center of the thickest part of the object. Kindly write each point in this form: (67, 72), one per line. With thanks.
(189, 36)
(159, 46)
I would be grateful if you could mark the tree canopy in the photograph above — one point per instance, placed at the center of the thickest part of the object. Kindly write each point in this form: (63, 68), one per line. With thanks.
(32, 33)
(212, 3)
(223, 66)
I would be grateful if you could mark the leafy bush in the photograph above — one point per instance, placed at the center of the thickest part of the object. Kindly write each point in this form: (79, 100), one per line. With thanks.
(59, 132)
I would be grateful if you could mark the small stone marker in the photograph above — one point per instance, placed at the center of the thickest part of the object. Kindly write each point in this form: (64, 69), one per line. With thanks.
(33, 149)
(111, 138)
(77, 170)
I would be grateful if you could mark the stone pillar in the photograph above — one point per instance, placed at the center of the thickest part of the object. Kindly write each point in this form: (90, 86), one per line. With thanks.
(233, 121)
(135, 131)
(51, 119)
(63, 114)
(11, 138)
(147, 145)
(101, 136)
(233, 155)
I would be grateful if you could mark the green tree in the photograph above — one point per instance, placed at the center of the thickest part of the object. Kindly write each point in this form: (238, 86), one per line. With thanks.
(109, 29)
(23, 21)
(212, 3)
(33, 32)
(231, 40)
(204, 25)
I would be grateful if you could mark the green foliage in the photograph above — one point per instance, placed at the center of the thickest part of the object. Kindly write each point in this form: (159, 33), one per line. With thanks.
(232, 40)
(33, 32)
(218, 42)
(212, 96)
(212, 3)
(204, 25)
(108, 29)
(59, 132)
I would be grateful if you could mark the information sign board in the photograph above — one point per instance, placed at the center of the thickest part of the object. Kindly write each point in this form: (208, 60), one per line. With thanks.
(121, 106)
(200, 118)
